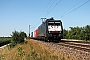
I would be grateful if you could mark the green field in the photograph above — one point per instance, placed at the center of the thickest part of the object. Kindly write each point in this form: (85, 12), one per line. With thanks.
(5, 40)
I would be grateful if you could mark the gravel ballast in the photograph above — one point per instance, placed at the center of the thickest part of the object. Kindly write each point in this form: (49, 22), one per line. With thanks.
(66, 51)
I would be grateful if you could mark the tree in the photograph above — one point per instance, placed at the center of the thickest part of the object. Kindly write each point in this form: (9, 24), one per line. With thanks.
(65, 32)
(81, 33)
(22, 36)
(17, 37)
(87, 32)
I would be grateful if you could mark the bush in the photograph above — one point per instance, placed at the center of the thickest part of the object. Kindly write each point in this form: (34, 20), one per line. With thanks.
(17, 37)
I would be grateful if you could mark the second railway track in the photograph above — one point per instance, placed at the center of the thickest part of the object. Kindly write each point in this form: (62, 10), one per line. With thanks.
(79, 46)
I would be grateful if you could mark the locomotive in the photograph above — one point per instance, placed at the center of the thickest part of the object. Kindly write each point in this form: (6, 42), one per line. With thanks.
(49, 30)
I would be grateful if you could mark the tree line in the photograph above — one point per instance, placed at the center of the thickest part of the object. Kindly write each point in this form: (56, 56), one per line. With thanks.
(81, 33)
(4, 40)
(16, 38)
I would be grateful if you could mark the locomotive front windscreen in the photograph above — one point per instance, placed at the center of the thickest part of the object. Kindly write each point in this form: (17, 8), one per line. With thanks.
(54, 26)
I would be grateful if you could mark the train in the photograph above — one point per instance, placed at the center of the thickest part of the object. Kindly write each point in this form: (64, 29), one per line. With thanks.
(49, 30)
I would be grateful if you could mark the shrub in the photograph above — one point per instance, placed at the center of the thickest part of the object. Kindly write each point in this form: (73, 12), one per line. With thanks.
(17, 37)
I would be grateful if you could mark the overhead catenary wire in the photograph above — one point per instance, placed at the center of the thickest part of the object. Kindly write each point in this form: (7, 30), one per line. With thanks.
(53, 8)
(45, 7)
(75, 9)
(49, 9)
(43, 11)
(71, 8)
(48, 12)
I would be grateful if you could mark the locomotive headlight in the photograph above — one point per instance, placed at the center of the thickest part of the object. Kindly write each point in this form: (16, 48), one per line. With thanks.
(49, 31)
(59, 31)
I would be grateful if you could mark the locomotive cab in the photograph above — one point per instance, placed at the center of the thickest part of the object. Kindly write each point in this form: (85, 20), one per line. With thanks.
(55, 30)
(50, 30)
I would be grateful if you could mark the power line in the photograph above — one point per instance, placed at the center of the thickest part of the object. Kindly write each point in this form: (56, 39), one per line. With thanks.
(71, 8)
(76, 8)
(50, 7)
(43, 11)
(46, 7)
(53, 8)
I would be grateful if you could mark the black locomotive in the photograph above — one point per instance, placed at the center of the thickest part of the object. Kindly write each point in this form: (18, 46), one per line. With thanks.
(50, 30)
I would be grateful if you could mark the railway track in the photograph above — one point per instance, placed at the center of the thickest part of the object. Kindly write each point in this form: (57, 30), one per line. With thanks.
(82, 46)
(75, 45)
(77, 50)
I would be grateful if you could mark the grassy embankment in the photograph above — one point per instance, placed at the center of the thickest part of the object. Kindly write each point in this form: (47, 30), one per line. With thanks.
(31, 50)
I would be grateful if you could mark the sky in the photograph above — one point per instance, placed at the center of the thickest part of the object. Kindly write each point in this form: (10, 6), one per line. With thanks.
(19, 14)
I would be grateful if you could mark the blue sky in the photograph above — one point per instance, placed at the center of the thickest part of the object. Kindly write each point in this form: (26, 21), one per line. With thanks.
(19, 14)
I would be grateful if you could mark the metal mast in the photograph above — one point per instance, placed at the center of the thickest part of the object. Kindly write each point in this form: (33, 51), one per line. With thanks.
(29, 31)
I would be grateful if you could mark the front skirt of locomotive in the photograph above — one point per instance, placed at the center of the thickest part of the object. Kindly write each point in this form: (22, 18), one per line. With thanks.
(55, 36)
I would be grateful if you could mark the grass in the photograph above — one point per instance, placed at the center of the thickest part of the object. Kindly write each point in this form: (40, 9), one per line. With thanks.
(31, 50)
